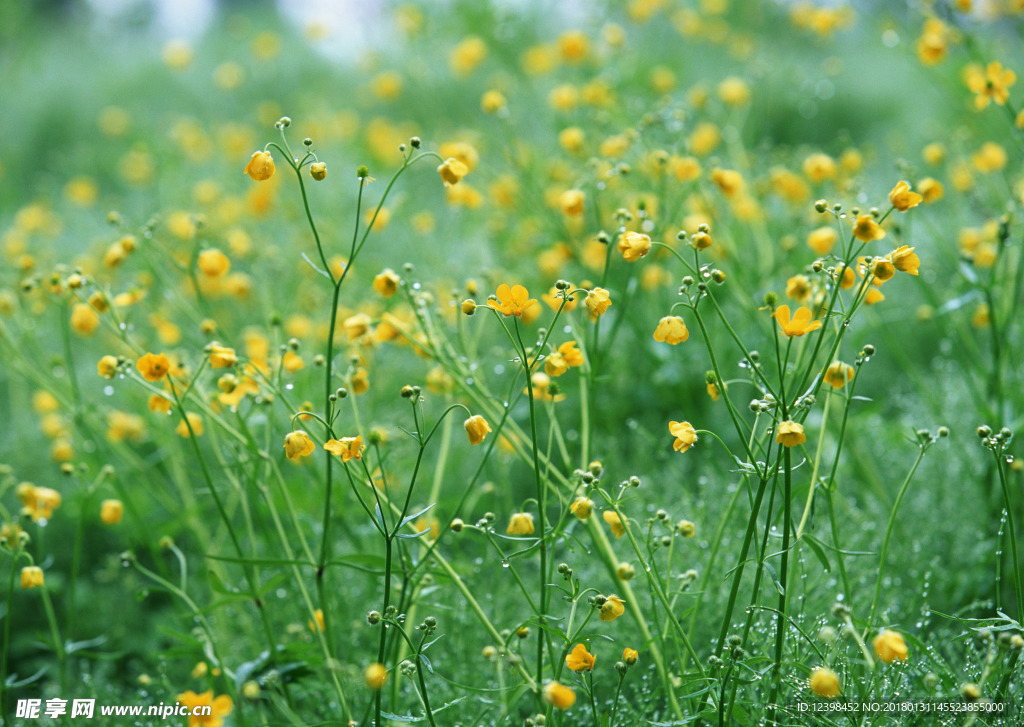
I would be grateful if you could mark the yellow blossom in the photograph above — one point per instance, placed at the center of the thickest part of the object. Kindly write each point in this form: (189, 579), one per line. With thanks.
(799, 324)
(612, 608)
(39, 502)
(685, 434)
(153, 366)
(790, 434)
(558, 695)
(317, 622)
(194, 426)
(634, 245)
(220, 708)
(111, 511)
(84, 319)
(824, 682)
(511, 301)
(890, 646)
(386, 282)
(819, 167)
(297, 444)
(866, 229)
(579, 659)
(572, 202)
(598, 300)
(882, 269)
(582, 507)
(931, 190)
(32, 577)
(107, 366)
(521, 523)
(614, 522)
(222, 357)
(630, 656)
(347, 448)
(990, 85)
(476, 429)
(902, 198)
(452, 171)
(213, 263)
(905, 259)
(838, 374)
(260, 167)
(671, 330)
(493, 101)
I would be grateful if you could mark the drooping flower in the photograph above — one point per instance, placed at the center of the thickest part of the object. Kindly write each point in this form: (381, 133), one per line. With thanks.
(260, 167)
(837, 374)
(866, 229)
(477, 428)
(511, 301)
(630, 656)
(347, 448)
(222, 357)
(890, 646)
(521, 523)
(582, 507)
(111, 511)
(572, 355)
(612, 608)
(579, 659)
(555, 364)
(558, 695)
(386, 282)
(375, 676)
(902, 198)
(597, 301)
(685, 434)
(297, 444)
(671, 330)
(452, 171)
(905, 259)
(318, 171)
(790, 434)
(633, 245)
(220, 708)
(798, 324)
(615, 522)
(824, 682)
(882, 269)
(32, 577)
(153, 366)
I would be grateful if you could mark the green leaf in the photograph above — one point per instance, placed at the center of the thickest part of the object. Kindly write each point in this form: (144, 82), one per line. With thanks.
(426, 663)
(262, 562)
(775, 578)
(409, 518)
(818, 551)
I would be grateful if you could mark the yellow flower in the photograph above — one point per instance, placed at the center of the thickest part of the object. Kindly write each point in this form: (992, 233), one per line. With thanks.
(729, 181)
(213, 263)
(630, 656)
(153, 366)
(579, 659)
(219, 708)
(317, 622)
(890, 646)
(559, 695)
(260, 167)
(222, 357)
(991, 85)
(477, 428)
(542, 388)
(615, 522)
(347, 448)
(837, 374)
(882, 269)
(572, 355)
(111, 511)
(671, 330)
(318, 171)
(572, 202)
(701, 240)
(375, 676)
(194, 426)
(84, 319)
(819, 167)
(452, 171)
(555, 364)
(107, 367)
(931, 190)
(798, 288)
(874, 296)
(32, 577)
(799, 324)
(582, 507)
(39, 502)
(685, 434)
(512, 301)
(493, 101)
(866, 229)
(298, 444)
(598, 300)
(902, 198)
(905, 259)
(612, 608)
(386, 282)
(634, 245)
(521, 523)
(822, 240)
(790, 434)
(824, 682)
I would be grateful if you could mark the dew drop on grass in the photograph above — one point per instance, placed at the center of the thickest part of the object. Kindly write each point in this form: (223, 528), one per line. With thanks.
(499, 369)
(505, 564)
(108, 390)
(281, 593)
(289, 387)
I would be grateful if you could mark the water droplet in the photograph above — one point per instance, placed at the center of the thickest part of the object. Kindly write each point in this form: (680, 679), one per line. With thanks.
(108, 390)
(505, 563)
(289, 387)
